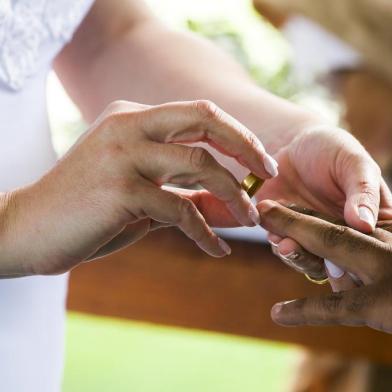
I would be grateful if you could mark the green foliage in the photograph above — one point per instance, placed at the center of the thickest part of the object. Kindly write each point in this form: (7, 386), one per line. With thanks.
(224, 34)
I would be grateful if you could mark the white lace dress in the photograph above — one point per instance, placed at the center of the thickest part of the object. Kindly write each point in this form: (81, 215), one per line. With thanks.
(32, 32)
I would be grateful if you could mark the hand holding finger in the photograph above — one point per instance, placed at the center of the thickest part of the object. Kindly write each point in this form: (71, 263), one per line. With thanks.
(324, 239)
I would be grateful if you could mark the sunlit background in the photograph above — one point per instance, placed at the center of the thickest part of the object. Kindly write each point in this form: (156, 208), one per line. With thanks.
(112, 355)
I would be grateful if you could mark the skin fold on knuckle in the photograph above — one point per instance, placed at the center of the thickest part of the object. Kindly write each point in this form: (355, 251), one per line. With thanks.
(280, 221)
(329, 308)
(186, 212)
(116, 126)
(332, 236)
(207, 110)
(200, 160)
(251, 141)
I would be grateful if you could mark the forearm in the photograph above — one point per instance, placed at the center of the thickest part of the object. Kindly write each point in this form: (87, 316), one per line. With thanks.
(152, 64)
(11, 264)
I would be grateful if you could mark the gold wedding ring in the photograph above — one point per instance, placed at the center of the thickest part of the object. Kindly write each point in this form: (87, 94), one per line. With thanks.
(315, 281)
(251, 184)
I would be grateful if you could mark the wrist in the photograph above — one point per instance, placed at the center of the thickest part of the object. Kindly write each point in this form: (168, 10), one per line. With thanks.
(276, 121)
(299, 128)
(11, 261)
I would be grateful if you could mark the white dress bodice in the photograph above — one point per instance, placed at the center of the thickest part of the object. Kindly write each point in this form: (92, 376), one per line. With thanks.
(32, 32)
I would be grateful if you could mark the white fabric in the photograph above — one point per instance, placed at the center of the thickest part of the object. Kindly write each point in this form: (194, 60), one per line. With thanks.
(32, 32)
(317, 51)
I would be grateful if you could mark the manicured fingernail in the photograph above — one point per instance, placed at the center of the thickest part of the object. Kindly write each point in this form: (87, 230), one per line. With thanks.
(367, 216)
(290, 257)
(254, 214)
(271, 165)
(273, 243)
(277, 308)
(224, 246)
(333, 270)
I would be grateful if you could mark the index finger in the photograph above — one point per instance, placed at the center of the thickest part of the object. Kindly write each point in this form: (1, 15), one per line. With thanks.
(203, 121)
(341, 308)
(348, 248)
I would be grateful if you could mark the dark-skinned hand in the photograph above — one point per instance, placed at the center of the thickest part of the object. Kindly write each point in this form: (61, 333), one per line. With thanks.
(363, 301)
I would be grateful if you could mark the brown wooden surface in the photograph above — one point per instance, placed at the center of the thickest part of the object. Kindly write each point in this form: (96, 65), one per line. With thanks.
(165, 279)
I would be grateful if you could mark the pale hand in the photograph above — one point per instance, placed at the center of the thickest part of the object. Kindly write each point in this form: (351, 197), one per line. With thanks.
(328, 170)
(107, 192)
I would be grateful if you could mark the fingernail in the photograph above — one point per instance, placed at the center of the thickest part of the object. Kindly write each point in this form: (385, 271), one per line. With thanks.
(224, 246)
(271, 165)
(289, 256)
(367, 216)
(333, 270)
(254, 214)
(273, 243)
(276, 308)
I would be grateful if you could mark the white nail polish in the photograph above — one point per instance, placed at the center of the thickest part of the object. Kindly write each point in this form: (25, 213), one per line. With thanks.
(273, 243)
(366, 215)
(289, 256)
(333, 270)
(271, 165)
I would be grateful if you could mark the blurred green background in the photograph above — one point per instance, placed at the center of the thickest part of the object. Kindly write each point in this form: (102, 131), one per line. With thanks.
(105, 354)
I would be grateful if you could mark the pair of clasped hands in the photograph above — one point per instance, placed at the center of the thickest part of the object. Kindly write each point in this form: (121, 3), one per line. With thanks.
(108, 192)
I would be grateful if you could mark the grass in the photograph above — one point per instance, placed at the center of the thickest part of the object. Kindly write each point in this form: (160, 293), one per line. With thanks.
(105, 354)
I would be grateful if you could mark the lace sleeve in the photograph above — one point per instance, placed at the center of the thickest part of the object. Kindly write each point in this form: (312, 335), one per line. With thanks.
(26, 26)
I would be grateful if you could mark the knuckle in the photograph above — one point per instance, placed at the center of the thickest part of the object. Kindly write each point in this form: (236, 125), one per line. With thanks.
(116, 121)
(207, 109)
(332, 304)
(277, 217)
(116, 105)
(186, 209)
(289, 219)
(199, 158)
(251, 140)
(333, 235)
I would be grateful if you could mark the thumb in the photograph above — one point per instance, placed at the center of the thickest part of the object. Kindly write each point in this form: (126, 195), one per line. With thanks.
(362, 184)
